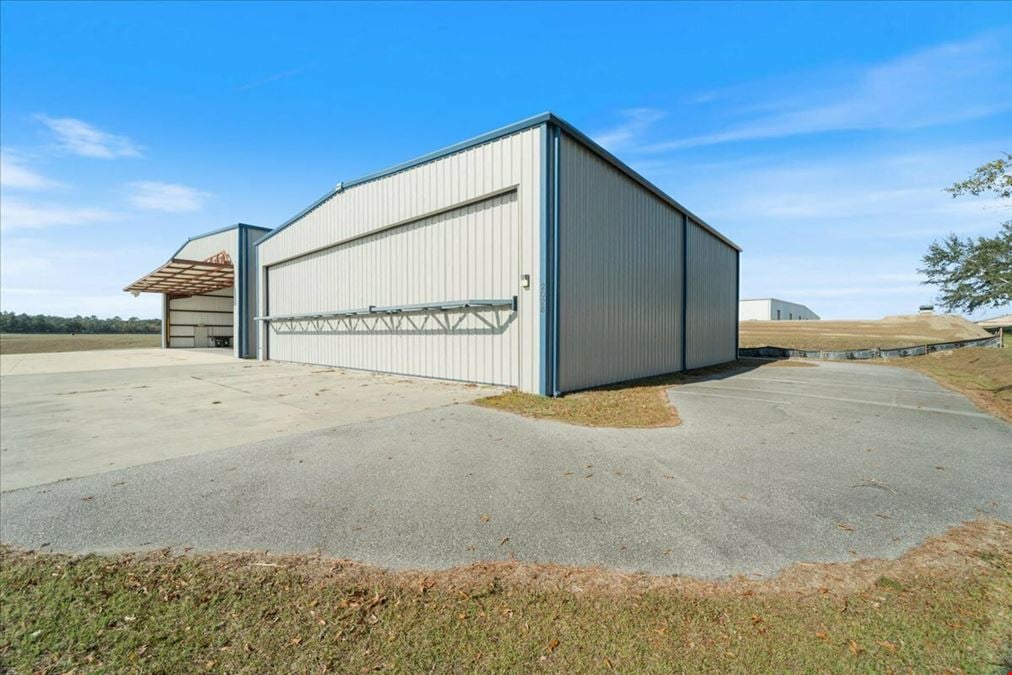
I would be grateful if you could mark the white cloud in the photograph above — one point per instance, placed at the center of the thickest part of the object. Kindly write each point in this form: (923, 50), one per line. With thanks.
(843, 230)
(14, 174)
(944, 84)
(83, 139)
(169, 197)
(637, 121)
(16, 214)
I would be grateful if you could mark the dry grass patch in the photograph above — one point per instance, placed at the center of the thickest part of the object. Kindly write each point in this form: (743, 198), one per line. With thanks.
(32, 343)
(941, 607)
(892, 331)
(640, 404)
(984, 375)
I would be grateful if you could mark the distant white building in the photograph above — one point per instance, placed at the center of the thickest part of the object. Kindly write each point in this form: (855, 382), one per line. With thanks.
(996, 322)
(771, 309)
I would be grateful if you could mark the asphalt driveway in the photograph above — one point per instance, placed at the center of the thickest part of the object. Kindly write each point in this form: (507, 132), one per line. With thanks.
(771, 466)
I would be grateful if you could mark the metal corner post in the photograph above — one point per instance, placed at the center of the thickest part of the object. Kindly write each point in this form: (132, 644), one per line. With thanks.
(543, 271)
(556, 171)
(238, 290)
(737, 303)
(685, 290)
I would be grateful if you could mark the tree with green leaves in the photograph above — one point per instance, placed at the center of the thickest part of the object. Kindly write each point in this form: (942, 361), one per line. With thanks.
(975, 272)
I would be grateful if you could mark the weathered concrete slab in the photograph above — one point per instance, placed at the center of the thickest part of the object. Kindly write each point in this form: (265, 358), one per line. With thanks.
(78, 413)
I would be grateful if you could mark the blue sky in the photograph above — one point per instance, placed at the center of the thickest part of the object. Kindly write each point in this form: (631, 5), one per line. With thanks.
(817, 136)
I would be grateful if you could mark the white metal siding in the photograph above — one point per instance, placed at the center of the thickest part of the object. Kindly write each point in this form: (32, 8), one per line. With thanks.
(467, 253)
(791, 311)
(508, 163)
(204, 247)
(765, 309)
(754, 310)
(620, 294)
(712, 308)
(214, 310)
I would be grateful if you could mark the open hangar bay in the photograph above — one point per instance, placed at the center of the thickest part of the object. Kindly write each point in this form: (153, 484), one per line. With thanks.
(527, 257)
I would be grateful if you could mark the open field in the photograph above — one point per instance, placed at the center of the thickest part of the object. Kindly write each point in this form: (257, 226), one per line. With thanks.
(892, 331)
(35, 343)
(941, 607)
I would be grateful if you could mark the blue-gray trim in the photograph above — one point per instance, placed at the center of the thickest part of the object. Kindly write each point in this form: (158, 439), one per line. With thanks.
(685, 290)
(546, 118)
(256, 300)
(556, 199)
(241, 282)
(737, 301)
(218, 231)
(542, 289)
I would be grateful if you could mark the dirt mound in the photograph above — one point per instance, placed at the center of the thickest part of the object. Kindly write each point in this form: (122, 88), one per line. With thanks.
(892, 331)
(947, 323)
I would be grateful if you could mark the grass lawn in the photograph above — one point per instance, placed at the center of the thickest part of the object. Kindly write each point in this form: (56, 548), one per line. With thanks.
(34, 343)
(983, 374)
(898, 331)
(941, 607)
(635, 404)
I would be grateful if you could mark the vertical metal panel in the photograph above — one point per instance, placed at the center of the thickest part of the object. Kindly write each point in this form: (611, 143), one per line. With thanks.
(239, 242)
(754, 310)
(620, 292)
(205, 247)
(187, 312)
(503, 243)
(712, 309)
(790, 311)
(246, 282)
(165, 321)
(202, 248)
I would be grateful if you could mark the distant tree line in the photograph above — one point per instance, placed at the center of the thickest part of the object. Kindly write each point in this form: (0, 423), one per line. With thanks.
(44, 323)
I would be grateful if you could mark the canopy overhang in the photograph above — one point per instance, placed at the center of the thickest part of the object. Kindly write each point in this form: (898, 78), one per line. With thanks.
(185, 277)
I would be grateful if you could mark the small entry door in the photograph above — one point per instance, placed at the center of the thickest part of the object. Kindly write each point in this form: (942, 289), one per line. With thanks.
(200, 336)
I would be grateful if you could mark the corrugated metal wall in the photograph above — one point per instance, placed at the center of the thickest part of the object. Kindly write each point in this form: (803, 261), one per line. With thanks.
(712, 295)
(475, 213)
(790, 311)
(239, 242)
(620, 294)
(466, 253)
(246, 280)
(214, 310)
(204, 247)
(754, 310)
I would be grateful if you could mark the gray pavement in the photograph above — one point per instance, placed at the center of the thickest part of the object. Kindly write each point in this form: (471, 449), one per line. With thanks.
(73, 414)
(771, 466)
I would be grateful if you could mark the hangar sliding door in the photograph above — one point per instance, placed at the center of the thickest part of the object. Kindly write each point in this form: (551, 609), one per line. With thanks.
(468, 253)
